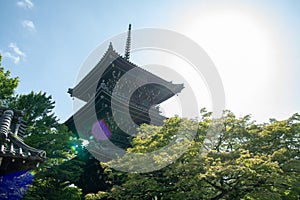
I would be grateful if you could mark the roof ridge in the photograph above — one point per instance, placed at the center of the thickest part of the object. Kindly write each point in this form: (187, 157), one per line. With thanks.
(135, 65)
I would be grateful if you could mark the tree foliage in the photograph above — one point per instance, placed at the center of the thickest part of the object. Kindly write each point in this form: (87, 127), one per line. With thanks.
(244, 160)
(55, 178)
(7, 85)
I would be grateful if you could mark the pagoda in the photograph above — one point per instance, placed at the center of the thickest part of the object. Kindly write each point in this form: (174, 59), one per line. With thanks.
(102, 90)
(15, 155)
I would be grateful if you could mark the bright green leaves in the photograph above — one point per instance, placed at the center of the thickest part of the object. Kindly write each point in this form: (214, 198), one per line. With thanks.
(246, 161)
(7, 86)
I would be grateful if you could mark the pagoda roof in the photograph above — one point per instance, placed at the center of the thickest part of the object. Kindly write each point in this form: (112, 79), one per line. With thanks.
(84, 113)
(86, 88)
(15, 155)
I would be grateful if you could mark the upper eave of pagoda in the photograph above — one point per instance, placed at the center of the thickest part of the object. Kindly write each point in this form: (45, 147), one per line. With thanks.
(109, 56)
(87, 86)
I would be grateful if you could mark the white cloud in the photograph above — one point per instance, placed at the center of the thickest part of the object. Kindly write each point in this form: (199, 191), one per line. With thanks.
(28, 24)
(15, 54)
(25, 4)
(16, 49)
(16, 59)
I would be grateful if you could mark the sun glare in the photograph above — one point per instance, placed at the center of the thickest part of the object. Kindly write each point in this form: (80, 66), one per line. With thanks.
(243, 51)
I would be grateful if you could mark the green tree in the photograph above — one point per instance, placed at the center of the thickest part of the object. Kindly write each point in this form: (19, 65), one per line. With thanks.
(7, 85)
(244, 160)
(38, 112)
(55, 178)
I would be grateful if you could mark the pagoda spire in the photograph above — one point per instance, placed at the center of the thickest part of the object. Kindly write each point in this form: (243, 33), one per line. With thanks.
(128, 42)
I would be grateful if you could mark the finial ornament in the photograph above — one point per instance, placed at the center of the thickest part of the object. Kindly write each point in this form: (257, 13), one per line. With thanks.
(110, 46)
(128, 43)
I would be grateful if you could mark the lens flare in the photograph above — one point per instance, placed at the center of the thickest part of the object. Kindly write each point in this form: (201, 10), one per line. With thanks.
(32, 173)
(74, 147)
(100, 130)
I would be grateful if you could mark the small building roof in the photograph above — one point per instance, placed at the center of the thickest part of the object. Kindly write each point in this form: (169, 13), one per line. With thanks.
(15, 155)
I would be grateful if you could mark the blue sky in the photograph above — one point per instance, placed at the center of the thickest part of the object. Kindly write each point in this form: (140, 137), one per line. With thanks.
(45, 43)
